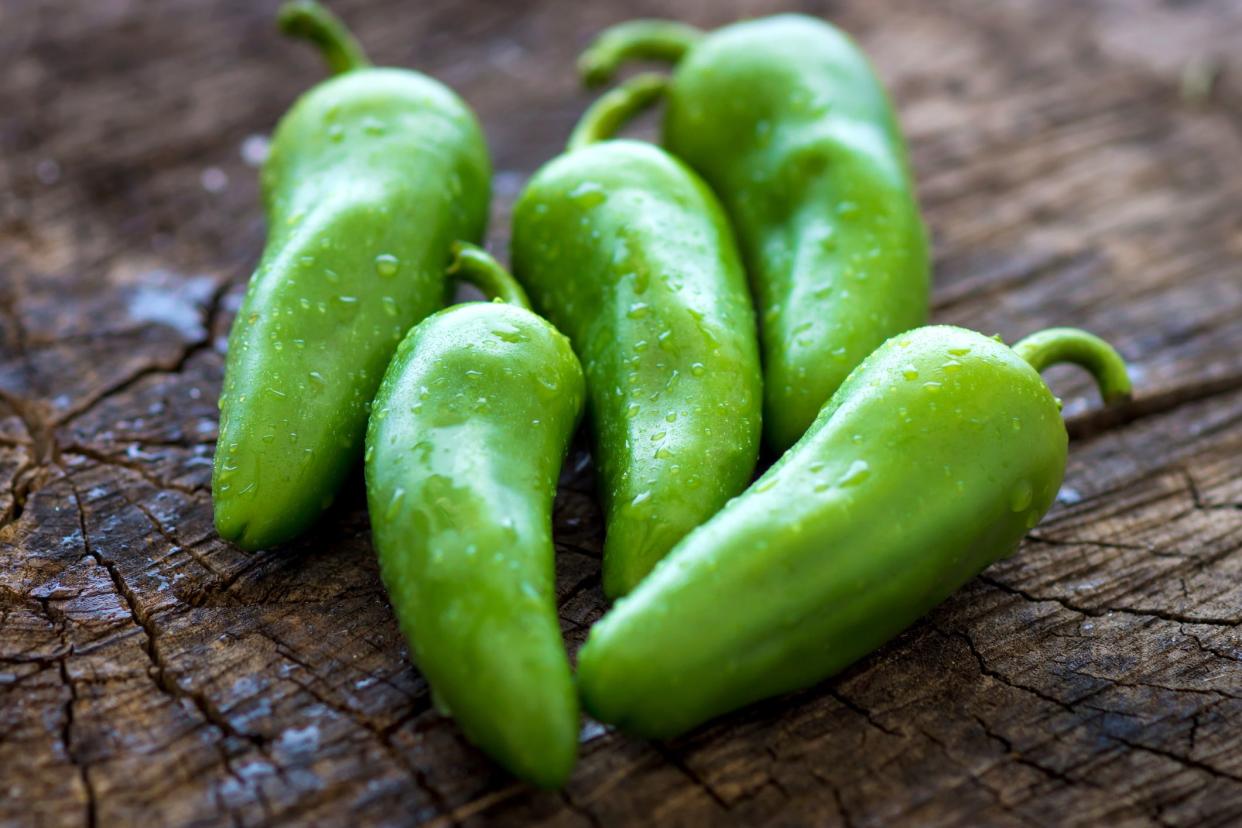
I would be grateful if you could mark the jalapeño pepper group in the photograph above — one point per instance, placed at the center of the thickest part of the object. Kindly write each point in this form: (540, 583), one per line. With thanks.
(765, 272)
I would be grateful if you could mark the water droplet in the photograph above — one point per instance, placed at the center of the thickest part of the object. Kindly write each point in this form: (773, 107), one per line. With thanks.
(390, 305)
(640, 498)
(1020, 497)
(858, 471)
(910, 372)
(1069, 495)
(440, 704)
(387, 265)
(588, 194)
(931, 387)
(509, 333)
(698, 369)
(394, 505)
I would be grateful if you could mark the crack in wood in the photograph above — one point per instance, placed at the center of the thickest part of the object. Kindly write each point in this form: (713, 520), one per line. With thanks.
(671, 756)
(137, 468)
(1185, 761)
(176, 366)
(1098, 612)
(996, 675)
(84, 772)
(161, 678)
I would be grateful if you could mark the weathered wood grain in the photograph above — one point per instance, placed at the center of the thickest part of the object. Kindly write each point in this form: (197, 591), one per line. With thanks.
(151, 674)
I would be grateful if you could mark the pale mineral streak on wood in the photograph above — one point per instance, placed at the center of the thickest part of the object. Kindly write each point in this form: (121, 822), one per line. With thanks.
(152, 674)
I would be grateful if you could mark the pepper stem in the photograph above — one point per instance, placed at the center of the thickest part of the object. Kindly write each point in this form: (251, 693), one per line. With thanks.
(664, 40)
(602, 120)
(310, 21)
(471, 263)
(1078, 347)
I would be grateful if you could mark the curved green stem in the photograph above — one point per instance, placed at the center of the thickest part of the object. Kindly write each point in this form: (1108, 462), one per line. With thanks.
(602, 120)
(1080, 348)
(471, 263)
(665, 40)
(308, 20)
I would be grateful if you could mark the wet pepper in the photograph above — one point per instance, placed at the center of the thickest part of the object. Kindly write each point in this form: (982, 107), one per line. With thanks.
(626, 250)
(371, 176)
(932, 460)
(788, 123)
(466, 440)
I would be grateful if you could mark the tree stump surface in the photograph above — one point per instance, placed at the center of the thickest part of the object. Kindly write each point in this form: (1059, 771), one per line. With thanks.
(1077, 166)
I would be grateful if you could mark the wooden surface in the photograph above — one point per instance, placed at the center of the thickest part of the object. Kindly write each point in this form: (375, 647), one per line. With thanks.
(1073, 172)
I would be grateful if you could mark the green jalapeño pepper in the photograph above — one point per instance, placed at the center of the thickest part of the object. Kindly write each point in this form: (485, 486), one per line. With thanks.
(466, 440)
(626, 250)
(786, 120)
(371, 176)
(930, 462)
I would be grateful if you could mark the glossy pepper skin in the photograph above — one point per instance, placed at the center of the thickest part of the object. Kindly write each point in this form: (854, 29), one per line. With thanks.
(930, 462)
(465, 444)
(370, 177)
(786, 120)
(626, 250)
